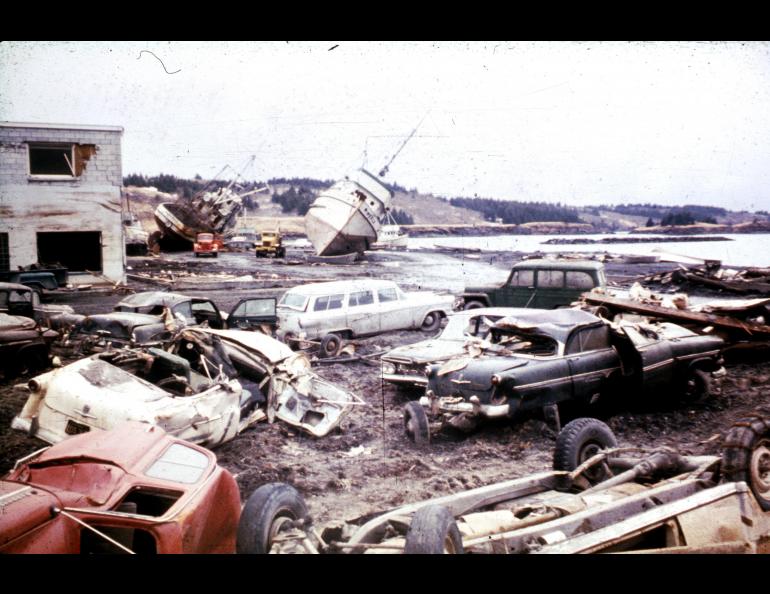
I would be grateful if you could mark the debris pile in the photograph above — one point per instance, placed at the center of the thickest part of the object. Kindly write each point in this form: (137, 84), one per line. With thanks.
(712, 275)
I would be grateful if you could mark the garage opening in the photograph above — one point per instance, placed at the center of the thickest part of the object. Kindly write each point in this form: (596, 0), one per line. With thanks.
(5, 254)
(79, 251)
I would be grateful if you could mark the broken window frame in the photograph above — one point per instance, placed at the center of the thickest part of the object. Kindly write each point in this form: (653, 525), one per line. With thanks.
(52, 146)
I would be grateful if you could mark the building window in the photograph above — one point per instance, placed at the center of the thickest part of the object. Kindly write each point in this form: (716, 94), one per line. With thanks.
(78, 251)
(52, 159)
(5, 254)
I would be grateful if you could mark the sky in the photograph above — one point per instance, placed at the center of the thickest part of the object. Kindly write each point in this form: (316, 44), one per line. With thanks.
(579, 123)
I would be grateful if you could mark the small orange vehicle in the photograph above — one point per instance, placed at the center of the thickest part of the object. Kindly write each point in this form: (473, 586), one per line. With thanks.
(207, 244)
(134, 489)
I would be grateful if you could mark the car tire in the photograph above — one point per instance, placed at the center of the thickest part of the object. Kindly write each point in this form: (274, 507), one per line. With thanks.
(433, 531)
(416, 423)
(330, 346)
(473, 305)
(697, 386)
(432, 322)
(578, 441)
(746, 457)
(267, 510)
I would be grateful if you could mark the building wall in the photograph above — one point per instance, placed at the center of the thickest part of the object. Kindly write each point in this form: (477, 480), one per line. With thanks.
(89, 202)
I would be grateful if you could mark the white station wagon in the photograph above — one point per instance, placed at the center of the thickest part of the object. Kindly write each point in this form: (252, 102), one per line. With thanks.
(344, 309)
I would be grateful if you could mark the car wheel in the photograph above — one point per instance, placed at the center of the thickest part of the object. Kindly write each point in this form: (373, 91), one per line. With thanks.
(746, 457)
(330, 346)
(416, 423)
(473, 305)
(433, 531)
(697, 386)
(580, 440)
(432, 322)
(269, 510)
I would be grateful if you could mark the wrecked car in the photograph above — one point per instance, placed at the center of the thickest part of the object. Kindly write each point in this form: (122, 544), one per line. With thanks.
(134, 489)
(335, 310)
(405, 365)
(600, 498)
(102, 331)
(542, 358)
(24, 345)
(211, 386)
(20, 300)
(541, 284)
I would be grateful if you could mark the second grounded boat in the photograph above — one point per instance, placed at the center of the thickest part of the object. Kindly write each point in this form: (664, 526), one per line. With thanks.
(345, 218)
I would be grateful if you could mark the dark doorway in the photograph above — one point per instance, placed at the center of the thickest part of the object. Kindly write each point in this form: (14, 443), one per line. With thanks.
(5, 254)
(78, 251)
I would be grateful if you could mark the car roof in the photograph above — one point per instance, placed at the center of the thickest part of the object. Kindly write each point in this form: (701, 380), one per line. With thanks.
(556, 323)
(341, 286)
(151, 298)
(13, 287)
(559, 264)
(129, 318)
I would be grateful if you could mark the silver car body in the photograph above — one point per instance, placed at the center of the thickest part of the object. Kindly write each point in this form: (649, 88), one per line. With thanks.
(355, 308)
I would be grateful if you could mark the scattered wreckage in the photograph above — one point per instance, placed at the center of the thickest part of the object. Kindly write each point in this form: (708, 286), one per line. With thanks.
(405, 365)
(336, 310)
(207, 388)
(539, 359)
(600, 498)
(541, 284)
(134, 489)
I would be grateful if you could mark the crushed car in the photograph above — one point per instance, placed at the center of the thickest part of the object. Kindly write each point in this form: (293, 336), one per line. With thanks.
(24, 346)
(599, 498)
(151, 317)
(134, 489)
(542, 358)
(404, 366)
(337, 310)
(207, 388)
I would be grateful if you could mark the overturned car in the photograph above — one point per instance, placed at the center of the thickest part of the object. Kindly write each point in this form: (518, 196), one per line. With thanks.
(207, 388)
(540, 359)
(600, 498)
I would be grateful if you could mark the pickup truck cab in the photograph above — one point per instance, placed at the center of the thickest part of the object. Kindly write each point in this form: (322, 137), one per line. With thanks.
(206, 245)
(540, 284)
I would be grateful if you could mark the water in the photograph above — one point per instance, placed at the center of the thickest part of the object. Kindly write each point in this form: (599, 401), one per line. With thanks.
(749, 249)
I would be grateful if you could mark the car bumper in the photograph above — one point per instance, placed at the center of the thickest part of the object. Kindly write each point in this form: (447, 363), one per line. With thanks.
(399, 378)
(453, 406)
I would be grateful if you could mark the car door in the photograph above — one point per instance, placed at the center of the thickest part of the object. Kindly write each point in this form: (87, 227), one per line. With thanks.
(204, 310)
(549, 289)
(362, 312)
(591, 361)
(253, 313)
(391, 310)
(518, 291)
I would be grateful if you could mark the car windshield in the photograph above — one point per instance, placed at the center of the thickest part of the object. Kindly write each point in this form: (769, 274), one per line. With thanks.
(293, 301)
(459, 327)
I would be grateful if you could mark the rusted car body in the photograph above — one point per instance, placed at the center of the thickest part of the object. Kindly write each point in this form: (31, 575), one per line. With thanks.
(133, 489)
(405, 365)
(606, 500)
(24, 345)
(358, 308)
(211, 386)
(542, 358)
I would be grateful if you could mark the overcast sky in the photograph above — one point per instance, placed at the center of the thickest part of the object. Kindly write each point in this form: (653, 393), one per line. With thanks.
(581, 123)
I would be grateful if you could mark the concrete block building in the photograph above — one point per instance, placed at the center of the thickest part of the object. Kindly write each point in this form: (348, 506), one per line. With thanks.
(60, 199)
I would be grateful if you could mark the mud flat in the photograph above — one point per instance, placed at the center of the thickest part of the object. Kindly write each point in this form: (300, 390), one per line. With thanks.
(368, 465)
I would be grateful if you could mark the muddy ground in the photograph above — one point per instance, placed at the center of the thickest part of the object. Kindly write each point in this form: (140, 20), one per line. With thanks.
(368, 465)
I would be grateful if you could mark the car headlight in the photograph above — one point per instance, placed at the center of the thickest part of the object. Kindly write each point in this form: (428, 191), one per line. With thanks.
(388, 368)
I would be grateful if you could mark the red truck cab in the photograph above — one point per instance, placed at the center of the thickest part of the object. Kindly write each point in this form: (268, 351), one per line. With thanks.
(207, 244)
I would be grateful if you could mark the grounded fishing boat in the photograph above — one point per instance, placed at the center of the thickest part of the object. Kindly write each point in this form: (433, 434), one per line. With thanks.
(210, 212)
(345, 218)
(391, 236)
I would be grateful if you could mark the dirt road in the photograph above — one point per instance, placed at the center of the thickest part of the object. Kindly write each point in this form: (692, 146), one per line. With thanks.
(368, 465)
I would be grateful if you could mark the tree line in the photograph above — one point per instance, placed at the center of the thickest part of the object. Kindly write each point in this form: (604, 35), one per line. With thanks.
(510, 212)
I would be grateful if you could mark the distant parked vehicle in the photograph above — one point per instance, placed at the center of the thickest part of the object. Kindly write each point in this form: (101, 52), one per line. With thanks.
(344, 309)
(270, 245)
(205, 245)
(539, 284)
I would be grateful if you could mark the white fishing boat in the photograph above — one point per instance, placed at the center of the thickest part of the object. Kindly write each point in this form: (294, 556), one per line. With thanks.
(345, 218)
(391, 236)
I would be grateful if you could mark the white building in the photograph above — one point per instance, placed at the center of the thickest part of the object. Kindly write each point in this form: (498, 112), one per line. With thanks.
(60, 199)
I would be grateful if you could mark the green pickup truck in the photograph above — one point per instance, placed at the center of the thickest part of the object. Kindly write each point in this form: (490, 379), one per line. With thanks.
(542, 284)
